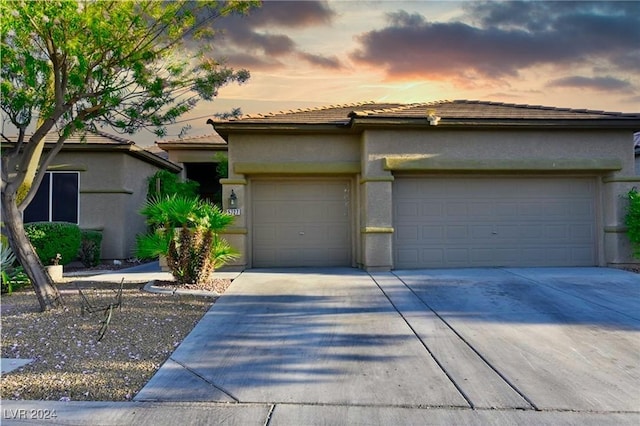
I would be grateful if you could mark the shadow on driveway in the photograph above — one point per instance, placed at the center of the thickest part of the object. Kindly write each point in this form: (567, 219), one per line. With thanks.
(566, 338)
(544, 339)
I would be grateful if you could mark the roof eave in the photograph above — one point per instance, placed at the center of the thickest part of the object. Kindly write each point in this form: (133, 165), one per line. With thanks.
(601, 123)
(150, 157)
(128, 148)
(192, 146)
(357, 123)
(224, 129)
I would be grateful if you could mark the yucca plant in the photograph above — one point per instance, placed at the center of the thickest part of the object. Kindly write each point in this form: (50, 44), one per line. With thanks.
(153, 244)
(185, 230)
(12, 276)
(223, 253)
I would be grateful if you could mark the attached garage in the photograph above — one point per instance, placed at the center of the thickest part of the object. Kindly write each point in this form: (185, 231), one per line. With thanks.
(494, 221)
(447, 184)
(301, 223)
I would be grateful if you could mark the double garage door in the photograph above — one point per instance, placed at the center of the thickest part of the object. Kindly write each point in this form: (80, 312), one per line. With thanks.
(466, 222)
(301, 223)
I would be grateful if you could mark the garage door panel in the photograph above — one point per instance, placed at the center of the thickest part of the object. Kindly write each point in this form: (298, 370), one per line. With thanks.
(301, 223)
(435, 209)
(482, 209)
(494, 222)
(457, 232)
(582, 208)
(264, 233)
(457, 208)
(408, 255)
(581, 233)
(480, 232)
(408, 233)
(430, 232)
(505, 210)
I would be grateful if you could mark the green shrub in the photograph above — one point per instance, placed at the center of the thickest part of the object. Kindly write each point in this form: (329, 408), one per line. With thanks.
(14, 278)
(11, 274)
(632, 220)
(90, 247)
(223, 165)
(164, 183)
(51, 238)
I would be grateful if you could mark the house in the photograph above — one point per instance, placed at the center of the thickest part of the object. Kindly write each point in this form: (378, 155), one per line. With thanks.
(99, 182)
(385, 186)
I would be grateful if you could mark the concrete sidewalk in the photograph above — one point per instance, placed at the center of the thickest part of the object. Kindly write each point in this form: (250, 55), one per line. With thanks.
(340, 346)
(174, 413)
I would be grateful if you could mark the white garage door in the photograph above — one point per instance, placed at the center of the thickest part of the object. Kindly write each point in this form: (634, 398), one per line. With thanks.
(301, 223)
(466, 222)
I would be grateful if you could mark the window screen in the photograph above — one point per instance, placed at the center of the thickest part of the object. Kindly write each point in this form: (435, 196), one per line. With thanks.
(38, 209)
(64, 197)
(57, 199)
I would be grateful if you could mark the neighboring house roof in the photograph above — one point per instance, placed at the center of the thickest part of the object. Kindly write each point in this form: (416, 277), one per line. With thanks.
(211, 141)
(156, 150)
(105, 142)
(457, 113)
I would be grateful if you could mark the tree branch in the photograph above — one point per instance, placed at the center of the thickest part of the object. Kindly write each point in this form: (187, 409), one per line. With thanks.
(47, 158)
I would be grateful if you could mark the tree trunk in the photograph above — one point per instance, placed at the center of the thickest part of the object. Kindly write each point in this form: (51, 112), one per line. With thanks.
(46, 292)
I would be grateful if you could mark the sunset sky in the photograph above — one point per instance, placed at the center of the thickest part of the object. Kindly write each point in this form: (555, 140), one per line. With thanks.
(312, 53)
(309, 53)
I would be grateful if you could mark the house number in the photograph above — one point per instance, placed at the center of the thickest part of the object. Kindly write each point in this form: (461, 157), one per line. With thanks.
(233, 212)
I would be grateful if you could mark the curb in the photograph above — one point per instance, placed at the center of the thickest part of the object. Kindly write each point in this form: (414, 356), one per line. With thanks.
(152, 288)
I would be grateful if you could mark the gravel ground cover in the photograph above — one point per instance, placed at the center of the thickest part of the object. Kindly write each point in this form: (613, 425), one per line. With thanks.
(70, 364)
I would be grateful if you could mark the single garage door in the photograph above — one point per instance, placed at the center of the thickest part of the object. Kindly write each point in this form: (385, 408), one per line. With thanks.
(301, 223)
(467, 222)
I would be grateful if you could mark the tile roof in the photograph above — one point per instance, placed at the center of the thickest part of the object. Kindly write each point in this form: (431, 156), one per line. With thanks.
(494, 110)
(319, 115)
(447, 110)
(97, 137)
(208, 139)
(98, 141)
(89, 138)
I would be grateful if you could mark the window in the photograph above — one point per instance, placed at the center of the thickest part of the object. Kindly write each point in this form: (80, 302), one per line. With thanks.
(57, 199)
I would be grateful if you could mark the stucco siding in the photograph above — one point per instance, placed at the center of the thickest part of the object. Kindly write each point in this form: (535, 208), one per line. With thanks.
(481, 145)
(194, 156)
(316, 149)
(379, 144)
(136, 174)
(606, 155)
(112, 190)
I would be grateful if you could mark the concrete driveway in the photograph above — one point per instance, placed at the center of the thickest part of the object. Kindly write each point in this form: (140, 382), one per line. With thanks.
(563, 341)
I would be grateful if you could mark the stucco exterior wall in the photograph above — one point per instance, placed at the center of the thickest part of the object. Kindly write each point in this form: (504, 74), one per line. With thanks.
(112, 190)
(194, 155)
(482, 145)
(253, 156)
(300, 148)
(606, 155)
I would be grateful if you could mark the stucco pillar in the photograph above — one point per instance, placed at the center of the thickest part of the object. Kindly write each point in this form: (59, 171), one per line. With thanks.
(376, 208)
(376, 223)
(236, 233)
(617, 247)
